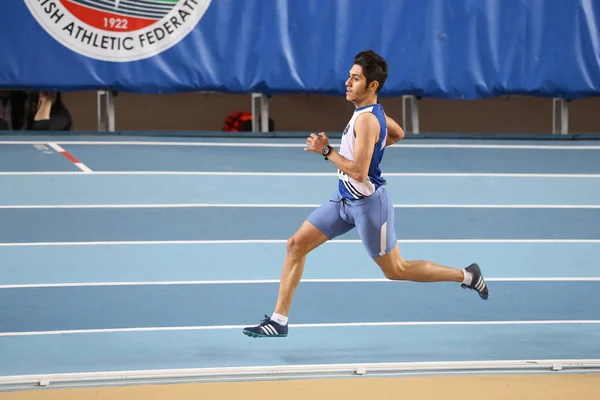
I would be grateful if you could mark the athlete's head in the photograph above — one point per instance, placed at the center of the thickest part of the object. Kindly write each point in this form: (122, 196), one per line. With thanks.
(366, 77)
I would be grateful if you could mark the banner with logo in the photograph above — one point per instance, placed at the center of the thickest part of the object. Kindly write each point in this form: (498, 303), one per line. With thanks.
(462, 49)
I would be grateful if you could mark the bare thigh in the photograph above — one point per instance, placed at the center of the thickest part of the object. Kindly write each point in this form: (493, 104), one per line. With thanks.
(324, 223)
(306, 239)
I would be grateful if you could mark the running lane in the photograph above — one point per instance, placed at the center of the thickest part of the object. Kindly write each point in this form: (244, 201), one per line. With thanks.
(258, 261)
(33, 158)
(129, 351)
(239, 223)
(295, 159)
(110, 307)
(82, 189)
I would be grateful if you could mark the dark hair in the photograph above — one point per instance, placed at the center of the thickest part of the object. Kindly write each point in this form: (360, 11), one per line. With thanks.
(374, 67)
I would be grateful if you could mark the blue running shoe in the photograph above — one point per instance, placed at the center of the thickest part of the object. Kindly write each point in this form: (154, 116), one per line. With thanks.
(477, 283)
(266, 328)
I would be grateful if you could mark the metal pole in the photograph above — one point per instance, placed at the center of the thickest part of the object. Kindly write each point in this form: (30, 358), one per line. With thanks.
(255, 98)
(110, 99)
(560, 116)
(410, 114)
(100, 97)
(264, 108)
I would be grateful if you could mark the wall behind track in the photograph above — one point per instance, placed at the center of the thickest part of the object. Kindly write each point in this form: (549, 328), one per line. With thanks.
(307, 112)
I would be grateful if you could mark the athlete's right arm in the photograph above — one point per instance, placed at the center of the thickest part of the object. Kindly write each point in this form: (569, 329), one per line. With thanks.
(395, 132)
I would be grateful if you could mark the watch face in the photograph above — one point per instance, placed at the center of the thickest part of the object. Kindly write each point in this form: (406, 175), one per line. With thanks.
(325, 151)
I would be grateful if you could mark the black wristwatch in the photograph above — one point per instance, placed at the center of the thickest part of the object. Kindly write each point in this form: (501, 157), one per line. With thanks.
(326, 150)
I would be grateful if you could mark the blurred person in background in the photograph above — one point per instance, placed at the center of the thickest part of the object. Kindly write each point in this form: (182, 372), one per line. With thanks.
(12, 105)
(45, 111)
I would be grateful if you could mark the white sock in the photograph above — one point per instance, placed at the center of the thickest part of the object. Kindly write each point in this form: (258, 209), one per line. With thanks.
(468, 277)
(280, 319)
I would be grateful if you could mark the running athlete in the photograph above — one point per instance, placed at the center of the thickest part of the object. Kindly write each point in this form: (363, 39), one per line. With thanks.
(361, 201)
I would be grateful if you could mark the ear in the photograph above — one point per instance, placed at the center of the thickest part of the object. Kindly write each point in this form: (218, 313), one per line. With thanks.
(374, 85)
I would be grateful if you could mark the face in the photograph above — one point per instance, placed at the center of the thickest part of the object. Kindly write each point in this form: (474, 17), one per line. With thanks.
(356, 85)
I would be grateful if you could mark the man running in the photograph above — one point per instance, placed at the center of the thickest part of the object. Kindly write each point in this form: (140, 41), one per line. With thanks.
(361, 200)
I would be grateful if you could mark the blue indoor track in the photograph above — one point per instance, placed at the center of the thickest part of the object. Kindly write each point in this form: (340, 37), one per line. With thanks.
(153, 254)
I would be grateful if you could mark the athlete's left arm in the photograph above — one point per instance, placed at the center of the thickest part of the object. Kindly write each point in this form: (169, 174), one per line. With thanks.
(395, 131)
(367, 130)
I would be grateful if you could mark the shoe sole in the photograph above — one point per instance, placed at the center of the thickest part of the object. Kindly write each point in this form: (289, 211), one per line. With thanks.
(258, 335)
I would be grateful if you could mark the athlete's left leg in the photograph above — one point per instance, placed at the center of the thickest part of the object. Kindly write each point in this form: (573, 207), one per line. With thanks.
(375, 225)
(325, 223)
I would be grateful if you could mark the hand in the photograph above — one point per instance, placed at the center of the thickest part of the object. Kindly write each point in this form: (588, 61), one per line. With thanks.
(316, 143)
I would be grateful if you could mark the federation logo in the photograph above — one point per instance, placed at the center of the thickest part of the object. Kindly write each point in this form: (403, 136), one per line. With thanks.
(118, 30)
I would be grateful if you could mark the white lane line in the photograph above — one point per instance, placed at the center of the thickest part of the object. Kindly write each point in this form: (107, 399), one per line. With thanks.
(275, 281)
(280, 241)
(70, 157)
(288, 205)
(335, 142)
(309, 174)
(320, 325)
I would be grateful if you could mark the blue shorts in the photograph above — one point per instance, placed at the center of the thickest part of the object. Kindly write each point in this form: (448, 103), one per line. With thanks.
(372, 216)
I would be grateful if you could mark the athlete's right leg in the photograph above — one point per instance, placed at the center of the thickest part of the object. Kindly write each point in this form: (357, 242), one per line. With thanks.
(324, 223)
(394, 267)
(375, 225)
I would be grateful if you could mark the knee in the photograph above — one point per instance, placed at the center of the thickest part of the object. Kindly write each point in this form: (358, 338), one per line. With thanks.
(295, 246)
(398, 273)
